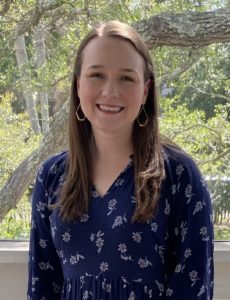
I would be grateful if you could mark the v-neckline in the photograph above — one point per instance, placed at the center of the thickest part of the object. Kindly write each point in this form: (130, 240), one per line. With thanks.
(96, 194)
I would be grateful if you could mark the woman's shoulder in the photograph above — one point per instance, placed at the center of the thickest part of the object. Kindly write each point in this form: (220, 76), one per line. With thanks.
(54, 166)
(177, 161)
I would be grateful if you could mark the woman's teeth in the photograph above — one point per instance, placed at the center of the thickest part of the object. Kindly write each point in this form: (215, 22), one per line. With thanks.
(109, 108)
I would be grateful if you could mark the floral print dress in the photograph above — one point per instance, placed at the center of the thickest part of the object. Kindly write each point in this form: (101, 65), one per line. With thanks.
(106, 256)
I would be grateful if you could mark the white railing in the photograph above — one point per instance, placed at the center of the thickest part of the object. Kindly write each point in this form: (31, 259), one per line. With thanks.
(13, 270)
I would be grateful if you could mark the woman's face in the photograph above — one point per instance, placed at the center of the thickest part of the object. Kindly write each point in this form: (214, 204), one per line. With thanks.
(111, 85)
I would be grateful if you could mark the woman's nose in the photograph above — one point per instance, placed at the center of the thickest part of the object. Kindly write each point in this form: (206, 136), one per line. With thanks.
(110, 89)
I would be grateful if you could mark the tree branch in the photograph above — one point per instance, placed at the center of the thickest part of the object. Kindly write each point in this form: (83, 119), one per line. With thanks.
(6, 7)
(210, 94)
(190, 29)
(53, 142)
(193, 58)
(32, 19)
(216, 158)
(203, 126)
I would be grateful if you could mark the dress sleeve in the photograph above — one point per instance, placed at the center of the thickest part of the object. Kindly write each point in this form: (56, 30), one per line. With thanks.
(45, 273)
(190, 237)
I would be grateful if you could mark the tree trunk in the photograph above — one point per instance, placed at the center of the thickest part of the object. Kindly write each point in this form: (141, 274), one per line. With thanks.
(22, 61)
(53, 142)
(194, 29)
(39, 44)
(186, 29)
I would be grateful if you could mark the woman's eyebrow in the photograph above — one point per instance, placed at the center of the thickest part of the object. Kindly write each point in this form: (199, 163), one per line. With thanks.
(129, 70)
(96, 67)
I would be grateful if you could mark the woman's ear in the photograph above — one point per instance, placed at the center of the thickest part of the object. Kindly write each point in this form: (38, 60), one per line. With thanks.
(78, 85)
(146, 90)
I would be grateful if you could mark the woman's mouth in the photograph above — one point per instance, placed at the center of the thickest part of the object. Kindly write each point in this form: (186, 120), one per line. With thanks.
(109, 108)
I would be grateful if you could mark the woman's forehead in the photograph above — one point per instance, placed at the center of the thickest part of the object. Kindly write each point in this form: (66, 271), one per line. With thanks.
(111, 50)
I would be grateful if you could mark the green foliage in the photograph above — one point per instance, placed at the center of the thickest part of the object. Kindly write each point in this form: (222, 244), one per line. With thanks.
(16, 142)
(16, 224)
(194, 113)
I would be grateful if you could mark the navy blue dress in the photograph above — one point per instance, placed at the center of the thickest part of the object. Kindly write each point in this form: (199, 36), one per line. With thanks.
(105, 256)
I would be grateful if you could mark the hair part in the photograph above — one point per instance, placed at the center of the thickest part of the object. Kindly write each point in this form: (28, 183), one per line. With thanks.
(75, 194)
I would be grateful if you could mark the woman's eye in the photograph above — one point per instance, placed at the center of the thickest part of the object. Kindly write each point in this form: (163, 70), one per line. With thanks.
(127, 78)
(96, 75)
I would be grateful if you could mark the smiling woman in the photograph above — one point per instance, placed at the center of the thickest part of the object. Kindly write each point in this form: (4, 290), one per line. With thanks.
(122, 214)
(111, 86)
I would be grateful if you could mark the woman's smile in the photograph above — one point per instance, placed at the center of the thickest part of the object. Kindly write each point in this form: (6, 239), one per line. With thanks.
(112, 109)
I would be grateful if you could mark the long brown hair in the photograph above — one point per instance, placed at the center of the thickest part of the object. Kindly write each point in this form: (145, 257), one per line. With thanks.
(147, 156)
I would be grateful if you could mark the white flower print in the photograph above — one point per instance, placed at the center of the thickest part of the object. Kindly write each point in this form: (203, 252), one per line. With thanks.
(175, 188)
(188, 193)
(45, 266)
(111, 206)
(160, 250)
(119, 221)
(34, 280)
(154, 226)
(42, 243)
(106, 286)
(125, 281)
(184, 230)
(144, 263)
(74, 259)
(54, 169)
(187, 253)
(202, 291)
(60, 253)
(95, 194)
(56, 288)
(122, 248)
(149, 292)
(126, 257)
(199, 207)
(179, 268)
(203, 232)
(167, 207)
(176, 230)
(179, 170)
(104, 266)
(40, 171)
(98, 240)
(137, 280)
(193, 275)
(160, 287)
(66, 236)
(85, 295)
(169, 292)
(132, 296)
(134, 200)
(84, 218)
(41, 208)
(119, 182)
(64, 261)
(203, 181)
(137, 237)
(53, 231)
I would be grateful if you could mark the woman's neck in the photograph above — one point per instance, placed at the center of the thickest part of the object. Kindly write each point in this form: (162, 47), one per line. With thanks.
(112, 147)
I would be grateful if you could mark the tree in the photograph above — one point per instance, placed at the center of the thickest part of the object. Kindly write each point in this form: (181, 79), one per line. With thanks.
(190, 30)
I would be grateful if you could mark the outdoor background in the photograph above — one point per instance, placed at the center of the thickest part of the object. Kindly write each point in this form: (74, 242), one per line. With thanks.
(189, 44)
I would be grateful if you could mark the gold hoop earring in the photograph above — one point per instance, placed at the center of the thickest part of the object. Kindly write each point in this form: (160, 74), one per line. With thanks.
(78, 117)
(145, 118)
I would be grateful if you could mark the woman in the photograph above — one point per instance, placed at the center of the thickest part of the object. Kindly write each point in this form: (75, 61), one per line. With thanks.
(121, 214)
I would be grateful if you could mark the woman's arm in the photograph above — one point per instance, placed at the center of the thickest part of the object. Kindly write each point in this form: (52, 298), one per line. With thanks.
(45, 273)
(191, 238)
